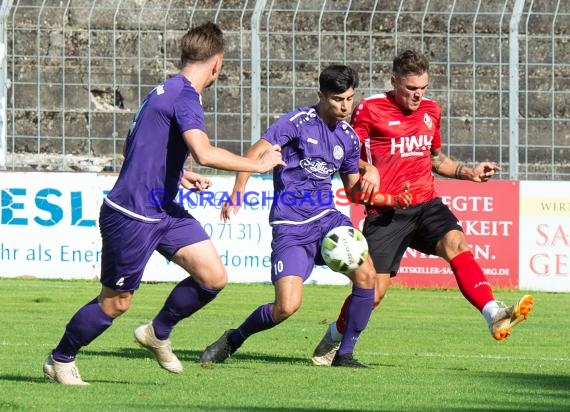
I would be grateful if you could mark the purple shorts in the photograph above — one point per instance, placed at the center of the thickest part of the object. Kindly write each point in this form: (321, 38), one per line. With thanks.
(296, 249)
(129, 243)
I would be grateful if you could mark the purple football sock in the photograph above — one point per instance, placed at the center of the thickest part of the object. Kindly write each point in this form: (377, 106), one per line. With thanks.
(358, 313)
(260, 319)
(88, 322)
(186, 298)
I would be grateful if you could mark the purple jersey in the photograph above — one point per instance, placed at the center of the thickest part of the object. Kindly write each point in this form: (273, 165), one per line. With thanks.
(155, 151)
(313, 153)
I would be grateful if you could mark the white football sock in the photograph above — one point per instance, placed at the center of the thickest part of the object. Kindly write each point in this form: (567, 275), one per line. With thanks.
(490, 310)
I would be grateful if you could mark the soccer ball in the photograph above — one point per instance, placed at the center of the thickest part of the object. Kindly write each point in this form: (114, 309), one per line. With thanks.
(344, 249)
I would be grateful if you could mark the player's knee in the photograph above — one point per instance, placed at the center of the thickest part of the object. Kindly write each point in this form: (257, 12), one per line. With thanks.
(216, 279)
(115, 303)
(364, 277)
(452, 244)
(220, 281)
(282, 312)
(115, 307)
(122, 308)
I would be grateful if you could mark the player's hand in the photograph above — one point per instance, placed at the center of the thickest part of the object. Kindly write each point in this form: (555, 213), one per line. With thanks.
(191, 180)
(399, 200)
(484, 171)
(231, 207)
(271, 158)
(370, 182)
(403, 199)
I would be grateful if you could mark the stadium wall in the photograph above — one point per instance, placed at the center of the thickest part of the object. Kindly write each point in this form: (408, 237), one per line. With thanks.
(519, 231)
(76, 71)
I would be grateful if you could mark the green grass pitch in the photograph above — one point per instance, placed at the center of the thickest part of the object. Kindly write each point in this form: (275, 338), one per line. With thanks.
(428, 350)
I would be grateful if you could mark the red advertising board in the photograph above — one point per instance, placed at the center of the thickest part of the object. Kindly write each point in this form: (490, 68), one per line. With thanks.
(489, 215)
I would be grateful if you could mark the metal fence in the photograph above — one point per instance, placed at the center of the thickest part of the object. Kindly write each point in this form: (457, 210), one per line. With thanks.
(74, 72)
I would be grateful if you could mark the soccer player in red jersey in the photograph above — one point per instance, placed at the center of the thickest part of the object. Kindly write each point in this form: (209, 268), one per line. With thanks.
(400, 135)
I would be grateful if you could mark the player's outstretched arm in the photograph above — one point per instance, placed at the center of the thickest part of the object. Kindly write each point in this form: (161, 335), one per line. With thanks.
(207, 155)
(444, 166)
(484, 171)
(233, 205)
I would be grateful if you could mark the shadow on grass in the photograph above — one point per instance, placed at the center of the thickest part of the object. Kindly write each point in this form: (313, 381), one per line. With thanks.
(551, 392)
(192, 356)
(511, 407)
(532, 381)
(229, 408)
(23, 378)
(275, 409)
(42, 379)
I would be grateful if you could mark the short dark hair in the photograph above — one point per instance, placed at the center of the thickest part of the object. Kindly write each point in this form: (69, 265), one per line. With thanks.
(410, 62)
(337, 78)
(200, 43)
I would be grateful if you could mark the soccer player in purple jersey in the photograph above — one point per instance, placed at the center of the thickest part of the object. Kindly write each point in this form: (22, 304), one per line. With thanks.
(140, 215)
(316, 142)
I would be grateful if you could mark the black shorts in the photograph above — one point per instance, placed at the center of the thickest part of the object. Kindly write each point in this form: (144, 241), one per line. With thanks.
(420, 227)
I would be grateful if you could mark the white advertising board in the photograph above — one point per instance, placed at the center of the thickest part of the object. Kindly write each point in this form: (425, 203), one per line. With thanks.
(544, 256)
(49, 228)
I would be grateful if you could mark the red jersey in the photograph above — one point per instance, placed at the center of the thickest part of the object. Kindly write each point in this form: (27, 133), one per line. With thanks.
(399, 144)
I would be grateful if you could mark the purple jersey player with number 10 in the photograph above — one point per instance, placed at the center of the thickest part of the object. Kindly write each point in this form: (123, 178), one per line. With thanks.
(140, 215)
(316, 142)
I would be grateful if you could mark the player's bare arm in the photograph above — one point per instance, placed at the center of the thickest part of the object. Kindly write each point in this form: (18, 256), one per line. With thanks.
(484, 171)
(370, 182)
(444, 166)
(207, 155)
(192, 180)
(233, 206)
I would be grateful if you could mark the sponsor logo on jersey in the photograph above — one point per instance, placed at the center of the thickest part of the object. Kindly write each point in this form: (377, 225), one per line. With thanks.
(393, 123)
(317, 168)
(411, 145)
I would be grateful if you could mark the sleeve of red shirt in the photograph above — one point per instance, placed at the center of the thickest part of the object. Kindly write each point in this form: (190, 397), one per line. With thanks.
(361, 121)
(436, 143)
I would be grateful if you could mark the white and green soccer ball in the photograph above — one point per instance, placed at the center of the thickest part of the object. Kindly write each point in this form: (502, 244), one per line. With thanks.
(344, 249)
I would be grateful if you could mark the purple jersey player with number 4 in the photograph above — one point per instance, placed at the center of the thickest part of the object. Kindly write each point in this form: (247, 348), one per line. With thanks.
(140, 215)
(316, 142)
